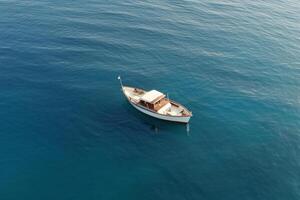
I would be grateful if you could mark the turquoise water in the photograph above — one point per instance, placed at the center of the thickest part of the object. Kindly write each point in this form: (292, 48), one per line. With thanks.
(67, 132)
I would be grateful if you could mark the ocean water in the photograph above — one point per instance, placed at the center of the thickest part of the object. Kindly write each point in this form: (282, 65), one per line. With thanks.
(67, 132)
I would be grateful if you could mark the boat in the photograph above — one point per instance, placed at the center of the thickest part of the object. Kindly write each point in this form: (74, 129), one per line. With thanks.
(156, 104)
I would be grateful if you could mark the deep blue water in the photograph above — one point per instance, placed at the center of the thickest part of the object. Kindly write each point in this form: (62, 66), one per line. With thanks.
(67, 132)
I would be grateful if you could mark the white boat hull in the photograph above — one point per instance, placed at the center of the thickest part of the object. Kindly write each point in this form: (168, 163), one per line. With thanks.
(170, 111)
(180, 119)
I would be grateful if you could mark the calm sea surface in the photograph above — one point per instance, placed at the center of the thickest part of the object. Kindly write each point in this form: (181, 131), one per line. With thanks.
(67, 132)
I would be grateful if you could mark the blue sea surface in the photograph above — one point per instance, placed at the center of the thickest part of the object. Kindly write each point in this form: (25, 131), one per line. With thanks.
(67, 132)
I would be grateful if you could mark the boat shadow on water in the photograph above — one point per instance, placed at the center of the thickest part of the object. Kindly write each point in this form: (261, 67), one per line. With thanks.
(156, 125)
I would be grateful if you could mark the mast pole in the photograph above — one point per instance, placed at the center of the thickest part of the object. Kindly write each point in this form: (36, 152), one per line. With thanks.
(119, 78)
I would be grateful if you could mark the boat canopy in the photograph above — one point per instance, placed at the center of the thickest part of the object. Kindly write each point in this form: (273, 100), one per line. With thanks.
(152, 96)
